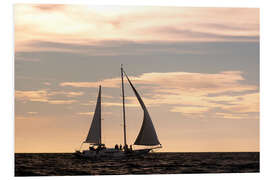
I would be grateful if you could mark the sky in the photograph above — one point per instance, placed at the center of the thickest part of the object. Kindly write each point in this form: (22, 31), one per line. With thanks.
(196, 69)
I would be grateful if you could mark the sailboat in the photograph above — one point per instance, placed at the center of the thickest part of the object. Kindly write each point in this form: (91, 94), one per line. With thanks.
(147, 136)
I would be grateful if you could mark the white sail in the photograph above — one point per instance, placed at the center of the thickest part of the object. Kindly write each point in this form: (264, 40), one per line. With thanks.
(94, 134)
(147, 135)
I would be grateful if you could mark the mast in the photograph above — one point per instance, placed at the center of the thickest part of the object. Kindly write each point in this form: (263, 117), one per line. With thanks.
(124, 113)
(100, 115)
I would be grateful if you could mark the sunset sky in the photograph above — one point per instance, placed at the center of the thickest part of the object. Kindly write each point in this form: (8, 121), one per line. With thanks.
(197, 70)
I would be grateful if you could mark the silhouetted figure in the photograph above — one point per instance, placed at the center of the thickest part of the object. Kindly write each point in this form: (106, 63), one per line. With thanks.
(91, 148)
(98, 148)
(120, 147)
(126, 147)
(116, 146)
(130, 147)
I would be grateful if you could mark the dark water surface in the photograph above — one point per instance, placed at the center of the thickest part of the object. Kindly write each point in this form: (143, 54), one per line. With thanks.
(59, 164)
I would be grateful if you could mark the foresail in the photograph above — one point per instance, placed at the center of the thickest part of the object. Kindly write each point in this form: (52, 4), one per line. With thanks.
(94, 134)
(147, 135)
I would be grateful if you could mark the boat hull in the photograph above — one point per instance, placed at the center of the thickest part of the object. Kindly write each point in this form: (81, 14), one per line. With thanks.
(110, 153)
(101, 153)
(137, 152)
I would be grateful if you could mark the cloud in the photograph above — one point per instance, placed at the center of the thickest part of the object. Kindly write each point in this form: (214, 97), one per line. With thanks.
(65, 93)
(130, 102)
(233, 116)
(92, 113)
(39, 96)
(248, 103)
(70, 24)
(46, 96)
(206, 36)
(235, 26)
(173, 82)
(49, 7)
(29, 59)
(110, 48)
(120, 104)
(32, 113)
(47, 83)
(85, 113)
(74, 94)
(190, 109)
(61, 101)
(189, 93)
(112, 83)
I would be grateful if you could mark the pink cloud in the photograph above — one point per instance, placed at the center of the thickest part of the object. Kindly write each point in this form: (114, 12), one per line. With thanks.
(70, 24)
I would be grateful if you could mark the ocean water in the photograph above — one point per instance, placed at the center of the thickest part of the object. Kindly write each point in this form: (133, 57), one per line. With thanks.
(61, 164)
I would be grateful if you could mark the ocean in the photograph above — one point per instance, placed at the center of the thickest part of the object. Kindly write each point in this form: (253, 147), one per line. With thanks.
(61, 164)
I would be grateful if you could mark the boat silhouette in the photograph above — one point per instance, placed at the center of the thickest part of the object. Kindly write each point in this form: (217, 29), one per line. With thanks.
(147, 136)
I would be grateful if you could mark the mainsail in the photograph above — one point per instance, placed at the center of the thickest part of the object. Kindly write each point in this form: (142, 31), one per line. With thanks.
(147, 135)
(94, 134)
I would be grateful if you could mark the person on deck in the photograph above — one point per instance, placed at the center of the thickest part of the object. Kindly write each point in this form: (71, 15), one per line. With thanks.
(126, 147)
(116, 146)
(91, 148)
(98, 148)
(120, 147)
